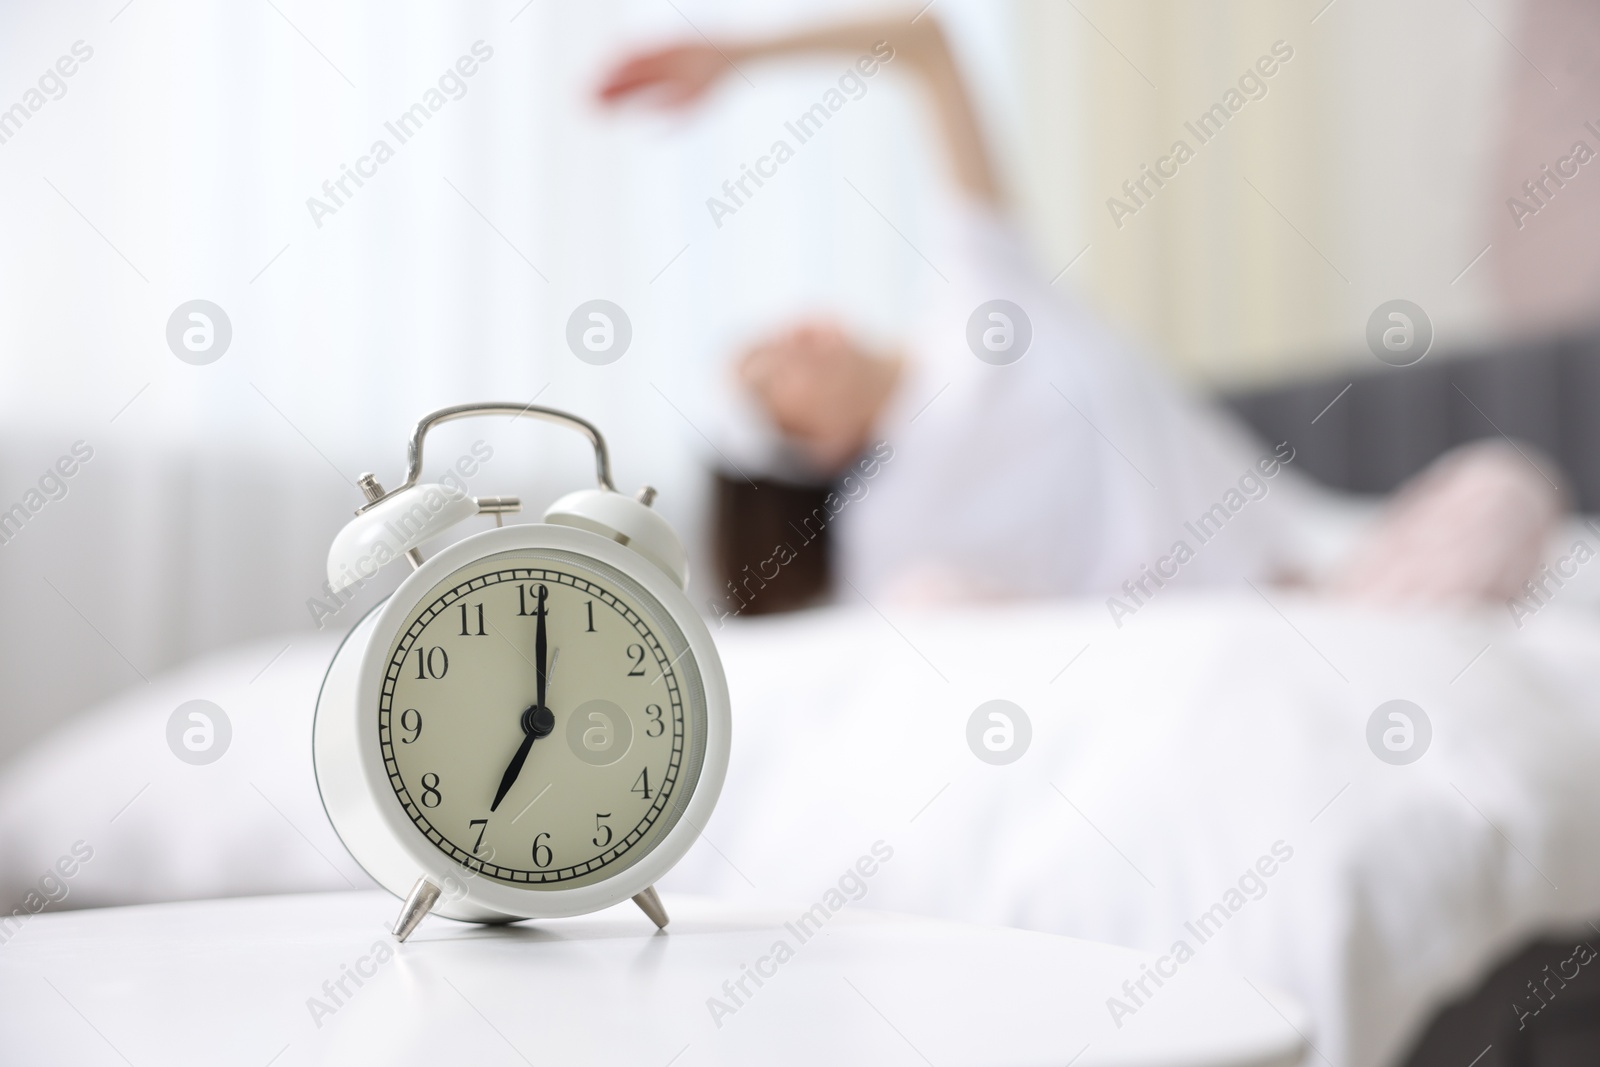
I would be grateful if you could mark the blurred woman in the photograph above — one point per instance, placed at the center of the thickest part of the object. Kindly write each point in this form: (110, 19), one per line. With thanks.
(1035, 454)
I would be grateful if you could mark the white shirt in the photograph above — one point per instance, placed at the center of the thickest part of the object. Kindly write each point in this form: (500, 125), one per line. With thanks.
(1068, 471)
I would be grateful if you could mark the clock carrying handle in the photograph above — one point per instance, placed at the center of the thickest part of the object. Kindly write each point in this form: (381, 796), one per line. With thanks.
(602, 458)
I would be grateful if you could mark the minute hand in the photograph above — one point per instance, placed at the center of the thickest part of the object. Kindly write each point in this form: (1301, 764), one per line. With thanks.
(541, 651)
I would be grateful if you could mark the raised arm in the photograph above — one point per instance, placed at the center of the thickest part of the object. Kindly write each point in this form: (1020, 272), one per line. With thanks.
(680, 74)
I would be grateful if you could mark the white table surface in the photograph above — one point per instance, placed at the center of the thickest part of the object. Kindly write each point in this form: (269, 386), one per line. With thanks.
(228, 982)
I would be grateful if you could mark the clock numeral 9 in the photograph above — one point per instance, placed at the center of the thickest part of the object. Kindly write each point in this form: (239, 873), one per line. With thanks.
(541, 853)
(411, 719)
(599, 825)
(637, 652)
(435, 665)
(657, 725)
(430, 789)
(467, 631)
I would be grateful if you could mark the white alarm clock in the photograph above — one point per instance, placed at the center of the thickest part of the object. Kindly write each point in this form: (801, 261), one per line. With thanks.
(536, 722)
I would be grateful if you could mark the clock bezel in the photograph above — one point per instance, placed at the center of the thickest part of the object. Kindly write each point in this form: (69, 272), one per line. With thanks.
(383, 838)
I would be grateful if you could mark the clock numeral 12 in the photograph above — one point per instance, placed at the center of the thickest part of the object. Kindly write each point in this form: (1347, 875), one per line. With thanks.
(523, 592)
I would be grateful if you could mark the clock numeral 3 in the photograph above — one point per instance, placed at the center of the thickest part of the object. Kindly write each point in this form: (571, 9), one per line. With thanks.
(541, 853)
(430, 789)
(435, 665)
(599, 825)
(411, 719)
(637, 652)
(657, 725)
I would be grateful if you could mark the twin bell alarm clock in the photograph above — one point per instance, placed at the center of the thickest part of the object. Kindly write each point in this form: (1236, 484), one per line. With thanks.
(535, 723)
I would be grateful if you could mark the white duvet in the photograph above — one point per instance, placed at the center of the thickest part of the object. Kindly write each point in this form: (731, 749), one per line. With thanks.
(1201, 775)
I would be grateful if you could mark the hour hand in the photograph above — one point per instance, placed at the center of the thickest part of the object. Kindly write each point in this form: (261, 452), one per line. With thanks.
(537, 722)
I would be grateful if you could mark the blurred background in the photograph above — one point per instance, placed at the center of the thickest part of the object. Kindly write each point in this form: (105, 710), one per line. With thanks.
(177, 161)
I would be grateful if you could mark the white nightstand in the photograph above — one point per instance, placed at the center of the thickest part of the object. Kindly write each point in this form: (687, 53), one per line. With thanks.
(317, 979)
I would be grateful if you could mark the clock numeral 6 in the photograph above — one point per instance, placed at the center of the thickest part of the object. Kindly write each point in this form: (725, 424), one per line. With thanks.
(411, 719)
(436, 664)
(541, 852)
(599, 825)
(430, 790)
(637, 652)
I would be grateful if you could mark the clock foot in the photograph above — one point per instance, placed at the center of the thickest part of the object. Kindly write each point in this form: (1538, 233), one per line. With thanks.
(650, 904)
(421, 901)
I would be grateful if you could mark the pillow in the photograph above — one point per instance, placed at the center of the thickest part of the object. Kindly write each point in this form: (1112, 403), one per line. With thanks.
(105, 810)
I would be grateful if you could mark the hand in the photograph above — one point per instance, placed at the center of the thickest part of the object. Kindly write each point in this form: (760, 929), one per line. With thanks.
(538, 720)
(821, 390)
(679, 75)
(675, 76)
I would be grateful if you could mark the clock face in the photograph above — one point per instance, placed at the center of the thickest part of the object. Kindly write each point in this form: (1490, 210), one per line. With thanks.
(542, 796)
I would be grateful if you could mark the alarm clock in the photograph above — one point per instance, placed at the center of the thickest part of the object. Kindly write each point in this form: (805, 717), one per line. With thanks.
(535, 723)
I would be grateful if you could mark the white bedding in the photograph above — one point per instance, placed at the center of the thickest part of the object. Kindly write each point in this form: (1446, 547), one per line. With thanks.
(1165, 761)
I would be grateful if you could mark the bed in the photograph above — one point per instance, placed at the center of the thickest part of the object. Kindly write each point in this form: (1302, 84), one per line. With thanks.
(1169, 758)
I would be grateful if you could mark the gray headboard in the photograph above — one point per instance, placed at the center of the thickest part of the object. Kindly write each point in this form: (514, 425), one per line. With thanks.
(1393, 421)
